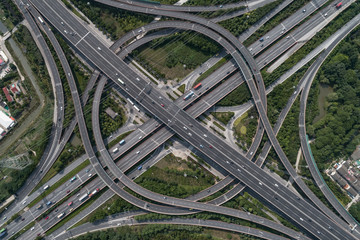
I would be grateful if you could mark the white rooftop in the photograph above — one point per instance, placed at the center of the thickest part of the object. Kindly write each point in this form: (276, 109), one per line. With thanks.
(5, 121)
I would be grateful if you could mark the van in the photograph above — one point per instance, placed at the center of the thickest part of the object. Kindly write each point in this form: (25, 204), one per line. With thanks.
(46, 187)
(115, 150)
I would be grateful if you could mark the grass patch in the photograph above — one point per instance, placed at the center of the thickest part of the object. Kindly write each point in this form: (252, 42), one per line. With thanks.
(245, 127)
(58, 183)
(211, 70)
(218, 125)
(176, 177)
(182, 88)
(170, 96)
(237, 97)
(223, 117)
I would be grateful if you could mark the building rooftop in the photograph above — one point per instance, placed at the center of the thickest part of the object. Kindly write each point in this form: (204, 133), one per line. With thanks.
(6, 122)
(7, 94)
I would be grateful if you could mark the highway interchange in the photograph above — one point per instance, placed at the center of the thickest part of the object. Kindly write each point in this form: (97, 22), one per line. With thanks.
(175, 120)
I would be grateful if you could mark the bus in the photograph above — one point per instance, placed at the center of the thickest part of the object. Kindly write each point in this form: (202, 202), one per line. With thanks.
(197, 86)
(40, 19)
(2, 232)
(130, 101)
(83, 197)
(121, 81)
(187, 96)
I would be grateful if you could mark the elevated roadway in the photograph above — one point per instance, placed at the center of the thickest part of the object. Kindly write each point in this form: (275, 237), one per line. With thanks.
(110, 65)
(262, 112)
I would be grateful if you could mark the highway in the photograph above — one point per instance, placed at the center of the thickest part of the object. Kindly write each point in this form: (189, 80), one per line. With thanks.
(92, 159)
(252, 87)
(309, 76)
(127, 220)
(81, 39)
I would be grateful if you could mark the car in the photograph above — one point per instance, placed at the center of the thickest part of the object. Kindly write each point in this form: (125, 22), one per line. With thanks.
(304, 10)
(70, 203)
(250, 49)
(47, 218)
(32, 229)
(137, 152)
(267, 37)
(71, 209)
(325, 14)
(210, 146)
(87, 170)
(140, 137)
(227, 162)
(185, 127)
(4, 218)
(221, 6)
(90, 174)
(287, 37)
(24, 202)
(162, 105)
(22, 219)
(67, 191)
(99, 48)
(205, 135)
(62, 23)
(56, 210)
(73, 179)
(201, 146)
(190, 134)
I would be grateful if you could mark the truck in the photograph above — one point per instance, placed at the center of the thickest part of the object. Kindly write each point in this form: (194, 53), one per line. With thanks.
(121, 81)
(130, 101)
(187, 96)
(40, 19)
(339, 5)
(46, 187)
(3, 232)
(61, 215)
(136, 107)
(115, 150)
(197, 86)
(122, 142)
(83, 197)
(94, 192)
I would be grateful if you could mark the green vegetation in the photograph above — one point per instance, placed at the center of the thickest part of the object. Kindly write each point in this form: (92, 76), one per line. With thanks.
(176, 55)
(355, 211)
(150, 232)
(110, 207)
(58, 183)
(218, 125)
(176, 177)
(35, 138)
(9, 14)
(223, 117)
(218, 132)
(182, 88)
(239, 24)
(245, 128)
(276, 20)
(220, 63)
(237, 97)
(108, 124)
(323, 34)
(112, 21)
(337, 133)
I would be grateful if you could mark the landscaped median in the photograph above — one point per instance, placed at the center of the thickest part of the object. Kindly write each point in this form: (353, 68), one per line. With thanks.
(59, 183)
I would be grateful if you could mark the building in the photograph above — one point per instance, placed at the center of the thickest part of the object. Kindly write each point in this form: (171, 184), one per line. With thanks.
(7, 94)
(344, 169)
(111, 113)
(6, 122)
(3, 58)
(15, 89)
(342, 182)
